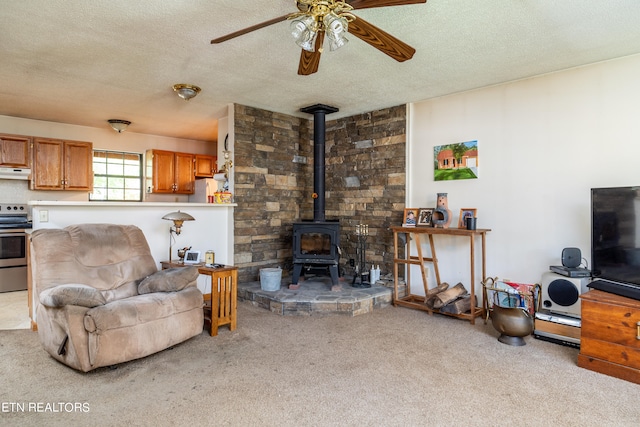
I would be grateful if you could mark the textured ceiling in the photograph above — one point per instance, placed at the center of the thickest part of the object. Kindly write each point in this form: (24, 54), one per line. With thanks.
(83, 62)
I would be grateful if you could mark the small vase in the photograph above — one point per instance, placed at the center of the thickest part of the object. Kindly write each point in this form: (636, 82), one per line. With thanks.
(441, 214)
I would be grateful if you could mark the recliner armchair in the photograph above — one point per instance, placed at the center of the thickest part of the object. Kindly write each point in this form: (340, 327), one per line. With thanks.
(102, 300)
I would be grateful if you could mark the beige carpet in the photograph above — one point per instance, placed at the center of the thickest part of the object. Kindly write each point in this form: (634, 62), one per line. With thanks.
(393, 367)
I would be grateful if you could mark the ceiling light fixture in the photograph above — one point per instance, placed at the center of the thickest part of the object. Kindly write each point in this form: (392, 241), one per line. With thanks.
(119, 125)
(186, 91)
(315, 16)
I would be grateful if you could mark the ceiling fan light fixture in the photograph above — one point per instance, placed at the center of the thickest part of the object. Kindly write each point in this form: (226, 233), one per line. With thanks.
(304, 31)
(186, 91)
(335, 27)
(119, 125)
(309, 44)
(335, 44)
(315, 18)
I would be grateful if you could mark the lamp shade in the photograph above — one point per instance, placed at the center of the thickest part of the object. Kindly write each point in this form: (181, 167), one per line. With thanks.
(178, 216)
(304, 32)
(335, 28)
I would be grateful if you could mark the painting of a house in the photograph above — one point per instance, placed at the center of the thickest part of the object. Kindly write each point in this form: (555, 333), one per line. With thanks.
(456, 161)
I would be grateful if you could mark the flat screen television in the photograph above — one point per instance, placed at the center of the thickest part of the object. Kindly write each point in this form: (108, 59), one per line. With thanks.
(615, 235)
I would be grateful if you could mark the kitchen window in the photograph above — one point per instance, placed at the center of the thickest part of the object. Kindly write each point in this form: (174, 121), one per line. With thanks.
(117, 176)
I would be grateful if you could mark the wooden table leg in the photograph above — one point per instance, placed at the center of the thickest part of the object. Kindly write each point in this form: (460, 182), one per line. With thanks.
(234, 300)
(215, 306)
(395, 267)
(434, 260)
(473, 280)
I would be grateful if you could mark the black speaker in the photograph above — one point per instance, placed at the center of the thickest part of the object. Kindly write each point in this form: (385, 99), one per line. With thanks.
(571, 257)
(561, 294)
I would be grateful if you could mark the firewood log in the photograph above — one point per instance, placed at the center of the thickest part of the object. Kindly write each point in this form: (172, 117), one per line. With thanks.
(458, 306)
(449, 295)
(431, 293)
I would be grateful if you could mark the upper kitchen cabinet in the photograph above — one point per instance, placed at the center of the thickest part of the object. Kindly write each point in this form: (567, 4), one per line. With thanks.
(14, 151)
(170, 172)
(62, 165)
(205, 166)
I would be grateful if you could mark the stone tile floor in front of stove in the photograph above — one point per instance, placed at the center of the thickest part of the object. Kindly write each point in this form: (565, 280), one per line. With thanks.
(316, 297)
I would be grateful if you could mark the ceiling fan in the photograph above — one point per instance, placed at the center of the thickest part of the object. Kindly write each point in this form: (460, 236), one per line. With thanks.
(333, 18)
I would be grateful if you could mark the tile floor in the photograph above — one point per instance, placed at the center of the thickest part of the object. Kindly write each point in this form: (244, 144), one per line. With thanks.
(14, 311)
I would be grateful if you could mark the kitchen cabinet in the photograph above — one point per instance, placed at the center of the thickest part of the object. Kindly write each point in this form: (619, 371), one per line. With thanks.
(170, 172)
(14, 151)
(62, 165)
(205, 166)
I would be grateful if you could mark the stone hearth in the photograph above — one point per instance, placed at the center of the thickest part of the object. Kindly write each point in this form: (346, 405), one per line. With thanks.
(315, 297)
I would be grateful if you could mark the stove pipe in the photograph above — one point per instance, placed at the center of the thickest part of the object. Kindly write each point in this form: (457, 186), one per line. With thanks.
(319, 112)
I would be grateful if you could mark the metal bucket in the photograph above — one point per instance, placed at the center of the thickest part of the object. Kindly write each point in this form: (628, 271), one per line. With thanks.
(270, 279)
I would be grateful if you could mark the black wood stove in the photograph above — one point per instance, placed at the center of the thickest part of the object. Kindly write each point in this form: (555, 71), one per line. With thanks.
(316, 243)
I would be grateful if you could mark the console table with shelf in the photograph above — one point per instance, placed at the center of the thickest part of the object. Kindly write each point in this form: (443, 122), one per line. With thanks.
(416, 233)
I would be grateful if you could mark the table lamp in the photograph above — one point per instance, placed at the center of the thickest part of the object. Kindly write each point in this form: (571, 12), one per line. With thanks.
(178, 218)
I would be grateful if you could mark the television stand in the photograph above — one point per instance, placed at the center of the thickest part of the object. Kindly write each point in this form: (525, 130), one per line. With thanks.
(620, 289)
(610, 335)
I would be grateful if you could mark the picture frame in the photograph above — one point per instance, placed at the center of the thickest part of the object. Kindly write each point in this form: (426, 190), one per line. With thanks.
(455, 161)
(192, 257)
(410, 217)
(464, 214)
(425, 217)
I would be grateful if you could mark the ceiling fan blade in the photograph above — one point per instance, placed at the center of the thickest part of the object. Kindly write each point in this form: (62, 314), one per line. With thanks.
(249, 29)
(365, 4)
(309, 61)
(381, 40)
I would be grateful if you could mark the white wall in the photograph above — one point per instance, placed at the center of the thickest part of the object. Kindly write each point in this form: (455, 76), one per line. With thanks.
(543, 144)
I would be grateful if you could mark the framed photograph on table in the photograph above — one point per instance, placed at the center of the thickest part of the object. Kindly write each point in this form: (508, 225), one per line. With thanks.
(192, 257)
(464, 214)
(410, 217)
(425, 216)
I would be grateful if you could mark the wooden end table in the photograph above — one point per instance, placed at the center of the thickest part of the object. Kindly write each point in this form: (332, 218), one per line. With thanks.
(222, 302)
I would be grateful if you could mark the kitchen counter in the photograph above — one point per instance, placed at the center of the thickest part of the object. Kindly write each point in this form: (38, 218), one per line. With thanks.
(128, 204)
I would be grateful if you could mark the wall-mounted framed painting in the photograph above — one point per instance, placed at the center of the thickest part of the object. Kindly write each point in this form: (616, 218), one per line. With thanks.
(455, 161)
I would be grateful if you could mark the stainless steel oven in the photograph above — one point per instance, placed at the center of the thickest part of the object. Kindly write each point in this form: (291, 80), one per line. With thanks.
(14, 222)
